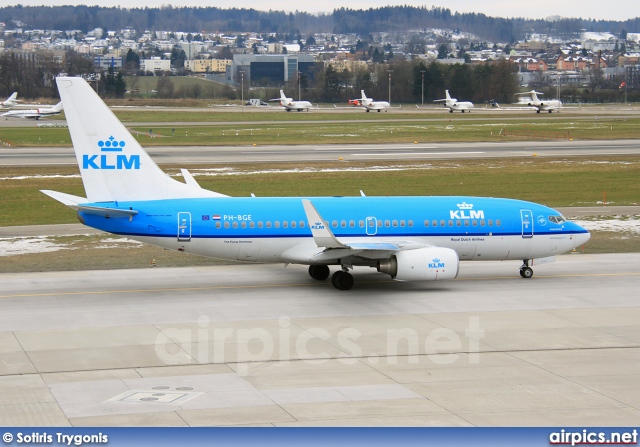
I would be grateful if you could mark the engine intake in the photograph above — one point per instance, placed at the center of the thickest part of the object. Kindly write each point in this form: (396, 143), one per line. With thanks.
(422, 264)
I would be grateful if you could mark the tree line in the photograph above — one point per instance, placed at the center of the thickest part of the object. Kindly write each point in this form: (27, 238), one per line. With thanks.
(342, 20)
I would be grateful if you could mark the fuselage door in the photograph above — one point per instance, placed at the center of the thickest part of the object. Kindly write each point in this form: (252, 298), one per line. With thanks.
(184, 226)
(527, 223)
(371, 226)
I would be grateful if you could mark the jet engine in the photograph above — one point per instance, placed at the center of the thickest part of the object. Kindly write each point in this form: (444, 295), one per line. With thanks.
(421, 264)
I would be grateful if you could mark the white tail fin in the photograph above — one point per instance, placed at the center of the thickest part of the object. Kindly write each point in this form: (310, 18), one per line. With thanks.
(446, 92)
(13, 98)
(282, 95)
(364, 97)
(57, 107)
(112, 163)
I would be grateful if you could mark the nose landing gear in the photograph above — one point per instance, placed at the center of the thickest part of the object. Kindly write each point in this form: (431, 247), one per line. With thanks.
(525, 270)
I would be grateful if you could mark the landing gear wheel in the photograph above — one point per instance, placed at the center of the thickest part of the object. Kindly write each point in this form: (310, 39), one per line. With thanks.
(319, 272)
(342, 280)
(526, 272)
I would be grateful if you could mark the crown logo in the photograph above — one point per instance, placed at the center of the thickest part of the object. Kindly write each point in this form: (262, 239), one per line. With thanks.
(436, 259)
(111, 145)
(465, 206)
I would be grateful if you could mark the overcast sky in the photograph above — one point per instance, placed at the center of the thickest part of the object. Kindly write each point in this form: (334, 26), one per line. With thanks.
(598, 9)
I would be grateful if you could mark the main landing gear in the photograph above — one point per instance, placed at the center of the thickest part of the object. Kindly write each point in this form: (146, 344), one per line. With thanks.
(525, 270)
(341, 280)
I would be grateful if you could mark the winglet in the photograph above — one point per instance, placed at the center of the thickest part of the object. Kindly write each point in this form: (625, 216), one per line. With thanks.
(322, 235)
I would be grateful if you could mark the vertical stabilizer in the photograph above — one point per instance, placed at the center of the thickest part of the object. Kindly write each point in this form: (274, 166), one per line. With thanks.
(112, 163)
(364, 97)
(446, 92)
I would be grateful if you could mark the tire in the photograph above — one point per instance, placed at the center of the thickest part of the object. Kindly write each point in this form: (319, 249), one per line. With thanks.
(319, 272)
(526, 272)
(342, 280)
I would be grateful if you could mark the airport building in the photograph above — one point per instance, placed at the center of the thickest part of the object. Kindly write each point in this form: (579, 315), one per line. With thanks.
(270, 69)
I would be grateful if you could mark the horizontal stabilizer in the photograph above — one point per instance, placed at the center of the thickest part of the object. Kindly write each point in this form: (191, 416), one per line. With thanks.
(188, 178)
(66, 199)
(107, 212)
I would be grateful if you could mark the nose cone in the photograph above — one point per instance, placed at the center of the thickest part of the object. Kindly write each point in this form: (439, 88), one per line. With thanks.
(582, 235)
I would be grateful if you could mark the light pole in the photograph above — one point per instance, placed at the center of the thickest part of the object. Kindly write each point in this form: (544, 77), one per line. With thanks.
(242, 89)
(389, 71)
(422, 71)
(299, 98)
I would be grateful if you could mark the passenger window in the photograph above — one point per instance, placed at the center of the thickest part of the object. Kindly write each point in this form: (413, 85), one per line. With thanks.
(352, 224)
(458, 223)
(497, 222)
(474, 223)
(243, 225)
(482, 223)
(268, 224)
(226, 224)
(218, 225)
(343, 224)
(370, 223)
(394, 223)
(276, 224)
(293, 224)
(410, 223)
(402, 223)
(442, 223)
(361, 223)
(379, 224)
(466, 223)
(387, 223)
(234, 225)
(434, 223)
(426, 223)
(301, 224)
(490, 222)
(252, 225)
(450, 223)
(260, 224)
(285, 224)
(334, 224)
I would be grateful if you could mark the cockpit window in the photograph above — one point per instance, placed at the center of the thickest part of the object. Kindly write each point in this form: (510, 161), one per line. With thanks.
(557, 219)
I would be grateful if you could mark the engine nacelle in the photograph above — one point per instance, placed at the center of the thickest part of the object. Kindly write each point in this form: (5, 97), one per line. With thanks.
(422, 264)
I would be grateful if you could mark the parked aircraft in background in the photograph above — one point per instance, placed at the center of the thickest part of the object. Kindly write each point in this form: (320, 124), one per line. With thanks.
(369, 104)
(34, 114)
(540, 105)
(407, 238)
(453, 104)
(289, 104)
(10, 103)
(355, 102)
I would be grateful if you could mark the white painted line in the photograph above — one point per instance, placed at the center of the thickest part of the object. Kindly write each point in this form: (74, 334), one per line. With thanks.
(417, 153)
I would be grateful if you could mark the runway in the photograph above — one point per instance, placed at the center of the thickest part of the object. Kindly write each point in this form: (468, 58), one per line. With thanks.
(345, 153)
(263, 345)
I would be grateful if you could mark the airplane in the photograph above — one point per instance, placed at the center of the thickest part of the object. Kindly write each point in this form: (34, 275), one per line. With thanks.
(369, 104)
(407, 238)
(289, 104)
(11, 102)
(355, 102)
(454, 104)
(34, 114)
(545, 106)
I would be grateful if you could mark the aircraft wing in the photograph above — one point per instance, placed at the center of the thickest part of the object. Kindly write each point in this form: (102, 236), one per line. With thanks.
(326, 247)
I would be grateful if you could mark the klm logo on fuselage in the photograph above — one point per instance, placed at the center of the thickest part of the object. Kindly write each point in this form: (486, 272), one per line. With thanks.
(466, 211)
(110, 158)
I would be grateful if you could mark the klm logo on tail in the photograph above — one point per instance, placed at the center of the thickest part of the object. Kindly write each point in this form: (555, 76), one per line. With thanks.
(110, 158)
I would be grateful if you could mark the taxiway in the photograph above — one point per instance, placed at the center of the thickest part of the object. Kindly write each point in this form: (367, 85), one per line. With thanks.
(263, 345)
